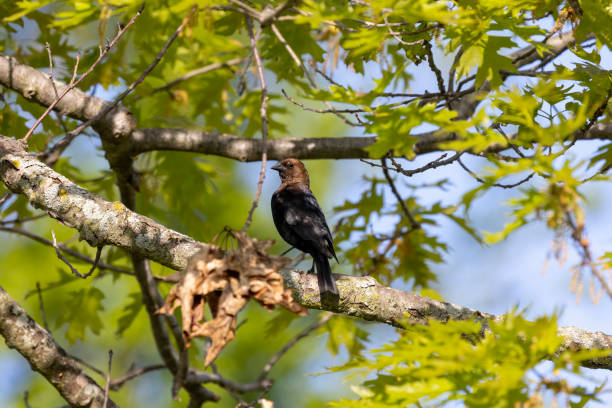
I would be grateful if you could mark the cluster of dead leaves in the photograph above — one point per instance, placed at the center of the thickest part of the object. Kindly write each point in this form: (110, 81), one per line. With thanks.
(226, 280)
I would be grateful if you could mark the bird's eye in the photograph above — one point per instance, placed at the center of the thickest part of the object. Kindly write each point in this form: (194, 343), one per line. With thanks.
(290, 165)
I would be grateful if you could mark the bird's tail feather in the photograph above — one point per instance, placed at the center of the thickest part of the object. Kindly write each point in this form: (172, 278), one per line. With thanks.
(324, 275)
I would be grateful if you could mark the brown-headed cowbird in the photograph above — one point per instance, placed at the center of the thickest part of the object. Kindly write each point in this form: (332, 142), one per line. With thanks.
(300, 221)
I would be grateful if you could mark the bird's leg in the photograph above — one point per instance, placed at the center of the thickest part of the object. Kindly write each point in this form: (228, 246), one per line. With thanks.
(312, 268)
(287, 251)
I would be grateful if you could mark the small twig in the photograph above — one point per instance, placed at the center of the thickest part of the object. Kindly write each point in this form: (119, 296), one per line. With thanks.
(119, 382)
(108, 375)
(413, 223)
(477, 178)
(587, 258)
(434, 68)
(263, 113)
(134, 84)
(74, 82)
(397, 35)
(497, 126)
(72, 268)
(196, 72)
(181, 373)
(26, 402)
(91, 367)
(440, 161)
(22, 220)
(308, 108)
(42, 308)
(78, 255)
(304, 333)
(295, 57)
(5, 197)
(48, 47)
(327, 77)
(453, 70)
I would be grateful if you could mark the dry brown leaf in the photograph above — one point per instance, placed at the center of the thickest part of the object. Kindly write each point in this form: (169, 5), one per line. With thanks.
(265, 403)
(226, 280)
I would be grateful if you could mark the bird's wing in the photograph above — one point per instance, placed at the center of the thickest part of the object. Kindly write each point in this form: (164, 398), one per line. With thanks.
(307, 220)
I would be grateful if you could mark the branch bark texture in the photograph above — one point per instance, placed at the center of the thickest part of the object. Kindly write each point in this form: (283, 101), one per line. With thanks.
(99, 222)
(34, 343)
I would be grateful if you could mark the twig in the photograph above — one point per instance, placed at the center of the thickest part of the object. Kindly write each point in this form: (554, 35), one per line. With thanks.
(396, 35)
(434, 68)
(181, 373)
(200, 71)
(26, 402)
(108, 381)
(134, 84)
(453, 70)
(475, 176)
(74, 82)
(48, 47)
(308, 108)
(118, 383)
(91, 367)
(440, 161)
(263, 113)
(5, 197)
(295, 57)
(327, 77)
(414, 225)
(78, 255)
(72, 268)
(22, 220)
(304, 333)
(497, 126)
(42, 307)
(587, 258)
(300, 64)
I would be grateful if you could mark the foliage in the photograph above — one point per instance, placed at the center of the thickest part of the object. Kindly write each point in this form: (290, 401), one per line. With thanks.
(420, 76)
(498, 370)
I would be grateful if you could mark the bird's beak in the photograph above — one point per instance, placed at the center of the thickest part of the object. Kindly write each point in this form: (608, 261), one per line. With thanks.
(278, 167)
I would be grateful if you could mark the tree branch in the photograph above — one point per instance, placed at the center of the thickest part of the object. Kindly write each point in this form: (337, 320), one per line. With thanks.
(113, 224)
(364, 298)
(34, 343)
(99, 222)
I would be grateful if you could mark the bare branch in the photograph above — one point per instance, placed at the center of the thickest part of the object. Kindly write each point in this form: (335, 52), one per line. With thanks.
(43, 315)
(304, 333)
(507, 186)
(72, 268)
(108, 374)
(196, 72)
(263, 113)
(400, 200)
(117, 383)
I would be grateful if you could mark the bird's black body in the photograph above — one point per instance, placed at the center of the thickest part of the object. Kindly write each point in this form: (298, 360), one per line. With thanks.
(300, 221)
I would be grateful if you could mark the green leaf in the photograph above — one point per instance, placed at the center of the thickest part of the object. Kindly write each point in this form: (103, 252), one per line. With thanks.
(82, 311)
(130, 311)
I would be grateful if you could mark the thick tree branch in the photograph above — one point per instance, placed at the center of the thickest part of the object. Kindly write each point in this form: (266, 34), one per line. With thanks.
(113, 224)
(36, 87)
(33, 342)
(117, 128)
(365, 298)
(99, 222)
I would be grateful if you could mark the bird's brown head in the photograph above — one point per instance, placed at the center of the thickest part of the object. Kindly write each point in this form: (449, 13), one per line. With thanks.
(292, 171)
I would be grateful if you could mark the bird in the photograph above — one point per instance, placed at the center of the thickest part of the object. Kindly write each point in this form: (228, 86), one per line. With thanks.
(300, 221)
